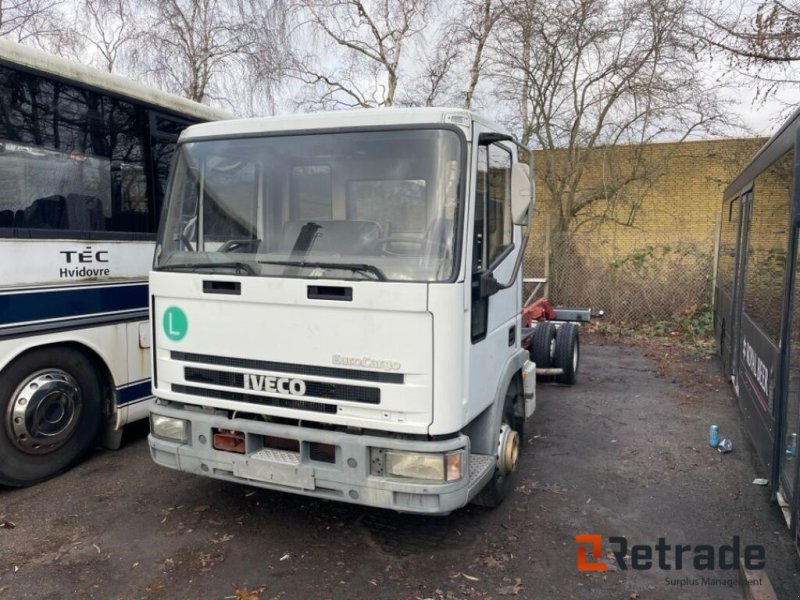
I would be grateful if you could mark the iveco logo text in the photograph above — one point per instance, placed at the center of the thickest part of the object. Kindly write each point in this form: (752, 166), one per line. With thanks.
(366, 362)
(279, 385)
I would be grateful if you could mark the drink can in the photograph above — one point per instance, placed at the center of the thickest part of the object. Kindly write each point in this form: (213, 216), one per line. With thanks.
(713, 436)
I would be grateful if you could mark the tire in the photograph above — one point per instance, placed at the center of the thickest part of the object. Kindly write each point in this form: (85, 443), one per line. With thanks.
(500, 485)
(542, 349)
(568, 353)
(51, 410)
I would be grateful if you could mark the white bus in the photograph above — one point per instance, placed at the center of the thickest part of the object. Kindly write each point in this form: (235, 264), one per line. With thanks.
(84, 158)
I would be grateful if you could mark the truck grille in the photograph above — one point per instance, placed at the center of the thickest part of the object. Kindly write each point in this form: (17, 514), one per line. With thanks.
(318, 389)
(252, 398)
(279, 367)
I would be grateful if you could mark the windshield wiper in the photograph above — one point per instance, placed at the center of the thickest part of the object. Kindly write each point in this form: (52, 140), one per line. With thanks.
(355, 267)
(239, 266)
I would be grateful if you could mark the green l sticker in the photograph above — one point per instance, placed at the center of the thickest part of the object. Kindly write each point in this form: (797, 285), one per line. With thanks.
(175, 323)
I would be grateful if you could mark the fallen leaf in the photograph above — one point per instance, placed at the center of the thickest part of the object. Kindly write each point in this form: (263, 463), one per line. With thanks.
(7, 525)
(245, 594)
(511, 590)
(154, 588)
(470, 577)
(226, 537)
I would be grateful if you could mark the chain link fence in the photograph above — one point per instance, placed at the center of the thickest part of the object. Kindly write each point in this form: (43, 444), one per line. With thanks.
(636, 276)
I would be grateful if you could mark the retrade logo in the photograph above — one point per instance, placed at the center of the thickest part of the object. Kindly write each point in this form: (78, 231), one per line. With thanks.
(593, 542)
(666, 556)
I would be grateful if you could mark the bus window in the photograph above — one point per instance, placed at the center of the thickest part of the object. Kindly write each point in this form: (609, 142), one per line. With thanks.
(766, 252)
(70, 159)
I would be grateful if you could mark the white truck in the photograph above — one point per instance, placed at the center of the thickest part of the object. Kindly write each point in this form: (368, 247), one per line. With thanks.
(335, 304)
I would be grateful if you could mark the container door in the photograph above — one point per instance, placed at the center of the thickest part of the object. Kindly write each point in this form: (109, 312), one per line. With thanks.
(788, 442)
(763, 297)
(738, 287)
(726, 274)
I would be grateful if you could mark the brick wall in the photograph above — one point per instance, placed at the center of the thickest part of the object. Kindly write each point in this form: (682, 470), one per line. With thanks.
(648, 254)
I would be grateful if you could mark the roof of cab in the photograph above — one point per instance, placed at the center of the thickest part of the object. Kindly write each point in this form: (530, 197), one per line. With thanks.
(333, 120)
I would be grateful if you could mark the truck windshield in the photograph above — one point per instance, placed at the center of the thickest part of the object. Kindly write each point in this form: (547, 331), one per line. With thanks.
(370, 205)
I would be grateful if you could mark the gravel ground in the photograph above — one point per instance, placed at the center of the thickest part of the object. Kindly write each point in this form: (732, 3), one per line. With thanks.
(622, 453)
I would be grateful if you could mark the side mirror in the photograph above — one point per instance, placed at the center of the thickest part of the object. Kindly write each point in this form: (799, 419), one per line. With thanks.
(487, 285)
(521, 194)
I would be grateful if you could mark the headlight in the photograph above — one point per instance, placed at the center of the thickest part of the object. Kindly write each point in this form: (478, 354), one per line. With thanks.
(169, 428)
(418, 465)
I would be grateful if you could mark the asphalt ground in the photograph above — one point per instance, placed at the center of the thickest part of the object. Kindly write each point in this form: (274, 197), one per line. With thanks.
(622, 453)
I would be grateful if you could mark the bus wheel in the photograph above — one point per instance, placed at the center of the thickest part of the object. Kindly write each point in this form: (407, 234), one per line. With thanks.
(50, 402)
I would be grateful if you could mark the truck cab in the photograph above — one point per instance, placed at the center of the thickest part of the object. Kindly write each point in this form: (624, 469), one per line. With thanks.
(336, 307)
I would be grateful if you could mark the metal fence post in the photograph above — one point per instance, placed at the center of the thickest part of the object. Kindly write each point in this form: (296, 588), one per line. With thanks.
(547, 256)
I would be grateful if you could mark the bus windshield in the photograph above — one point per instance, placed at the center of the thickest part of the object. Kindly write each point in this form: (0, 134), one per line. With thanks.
(372, 205)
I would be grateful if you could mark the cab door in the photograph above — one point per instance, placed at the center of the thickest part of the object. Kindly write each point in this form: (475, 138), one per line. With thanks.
(495, 244)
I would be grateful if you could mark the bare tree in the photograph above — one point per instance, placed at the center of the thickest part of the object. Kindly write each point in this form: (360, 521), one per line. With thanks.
(454, 59)
(373, 35)
(593, 82)
(266, 60)
(30, 21)
(189, 42)
(761, 40)
(105, 29)
(476, 31)
(439, 64)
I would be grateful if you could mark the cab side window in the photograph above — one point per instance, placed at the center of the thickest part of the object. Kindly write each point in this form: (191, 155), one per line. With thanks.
(493, 231)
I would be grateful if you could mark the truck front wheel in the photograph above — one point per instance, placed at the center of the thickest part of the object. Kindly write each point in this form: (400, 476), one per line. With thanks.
(509, 440)
(50, 405)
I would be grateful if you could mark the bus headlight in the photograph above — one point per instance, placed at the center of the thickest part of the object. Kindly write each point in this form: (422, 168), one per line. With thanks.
(169, 428)
(425, 466)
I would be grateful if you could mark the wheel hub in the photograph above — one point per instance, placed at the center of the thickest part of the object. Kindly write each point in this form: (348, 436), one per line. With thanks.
(44, 411)
(508, 449)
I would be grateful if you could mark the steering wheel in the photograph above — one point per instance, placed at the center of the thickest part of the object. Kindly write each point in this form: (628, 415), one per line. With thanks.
(240, 245)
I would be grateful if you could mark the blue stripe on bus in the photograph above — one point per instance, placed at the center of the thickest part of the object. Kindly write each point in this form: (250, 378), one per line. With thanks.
(134, 392)
(72, 302)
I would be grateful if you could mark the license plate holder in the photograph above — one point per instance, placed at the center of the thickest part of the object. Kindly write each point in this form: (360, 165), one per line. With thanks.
(300, 477)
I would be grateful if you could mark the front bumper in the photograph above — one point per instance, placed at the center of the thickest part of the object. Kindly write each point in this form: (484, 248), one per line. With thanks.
(347, 479)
